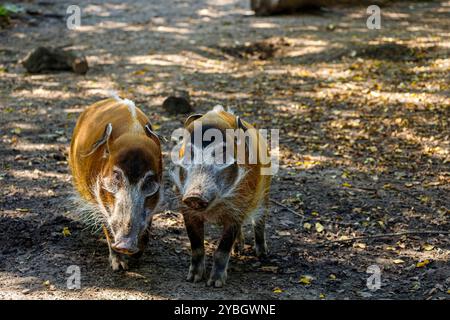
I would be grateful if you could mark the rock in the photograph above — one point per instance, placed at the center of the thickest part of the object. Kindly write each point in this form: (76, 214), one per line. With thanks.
(48, 59)
(178, 103)
(26, 291)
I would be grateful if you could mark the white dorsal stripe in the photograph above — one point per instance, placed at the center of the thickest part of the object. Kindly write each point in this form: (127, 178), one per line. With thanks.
(218, 108)
(130, 104)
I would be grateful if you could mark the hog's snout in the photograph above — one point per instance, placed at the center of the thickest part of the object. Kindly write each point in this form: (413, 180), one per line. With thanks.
(196, 202)
(125, 245)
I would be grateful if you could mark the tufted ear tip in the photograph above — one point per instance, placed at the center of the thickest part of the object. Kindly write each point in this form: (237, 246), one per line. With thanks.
(240, 124)
(192, 118)
(150, 133)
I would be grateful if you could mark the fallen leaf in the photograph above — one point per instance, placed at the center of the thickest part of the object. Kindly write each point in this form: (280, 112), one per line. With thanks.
(277, 290)
(423, 263)
(424, 199)
(398, 261)
(305, 279)
(322, 296)
(332, 277)
(307, 225)
(427, 247)
(66, 232)
(319, 227)
(140, 72)
(347, 185)
(408, 184)
(360, 245)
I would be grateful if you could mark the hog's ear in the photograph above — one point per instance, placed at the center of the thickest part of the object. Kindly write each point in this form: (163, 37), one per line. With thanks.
(241, 142)
(152, 134)
(240, 124)
(191, 118)
(103, 140)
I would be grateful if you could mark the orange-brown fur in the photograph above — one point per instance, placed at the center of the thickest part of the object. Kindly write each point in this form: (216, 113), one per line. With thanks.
(89, 129)
(254, 188)
(248, 199)
(133, 149)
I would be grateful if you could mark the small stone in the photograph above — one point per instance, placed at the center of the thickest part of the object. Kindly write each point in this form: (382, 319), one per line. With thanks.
(26, 291)
(19, 157)
(178, 103)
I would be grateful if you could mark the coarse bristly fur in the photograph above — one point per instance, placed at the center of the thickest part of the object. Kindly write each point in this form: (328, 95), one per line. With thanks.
(89, 213)
(228, 193)
(116, 165)
(94, 215)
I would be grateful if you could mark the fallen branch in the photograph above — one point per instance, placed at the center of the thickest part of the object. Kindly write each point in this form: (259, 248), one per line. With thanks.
(287, 208)
(376, 236)
(45, 59)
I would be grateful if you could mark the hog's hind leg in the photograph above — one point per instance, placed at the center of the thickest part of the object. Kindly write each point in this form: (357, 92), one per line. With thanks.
(239, 244)
(259, 229)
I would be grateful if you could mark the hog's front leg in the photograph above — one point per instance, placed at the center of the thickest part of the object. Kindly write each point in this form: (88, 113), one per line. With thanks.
(116, 259)
(218, 275)
(143, 241)
(195, 230)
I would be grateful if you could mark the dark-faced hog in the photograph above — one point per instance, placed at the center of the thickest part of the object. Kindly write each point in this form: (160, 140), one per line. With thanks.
(224, 182)
(116, 164)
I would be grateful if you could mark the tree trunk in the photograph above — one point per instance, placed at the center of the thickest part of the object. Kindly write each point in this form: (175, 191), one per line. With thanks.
(270, 7)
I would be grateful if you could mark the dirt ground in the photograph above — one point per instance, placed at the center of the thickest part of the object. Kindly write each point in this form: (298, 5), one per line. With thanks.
(364, 145)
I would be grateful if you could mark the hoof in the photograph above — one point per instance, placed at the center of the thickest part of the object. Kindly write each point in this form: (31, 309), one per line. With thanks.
(196, 273)
(217, 280)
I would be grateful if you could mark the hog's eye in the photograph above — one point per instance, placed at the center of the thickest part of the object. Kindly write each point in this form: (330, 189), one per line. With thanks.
(112, 183)
(116, 175)
(150, 186)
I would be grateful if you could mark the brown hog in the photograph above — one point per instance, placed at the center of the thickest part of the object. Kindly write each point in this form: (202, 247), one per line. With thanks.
(227, 192)
(116, 164)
